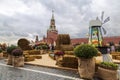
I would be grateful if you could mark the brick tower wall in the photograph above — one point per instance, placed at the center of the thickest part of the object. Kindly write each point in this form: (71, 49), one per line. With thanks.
(52, 35)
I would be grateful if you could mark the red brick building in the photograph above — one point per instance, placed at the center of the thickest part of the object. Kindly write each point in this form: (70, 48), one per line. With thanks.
(106, 40)
(51, 32)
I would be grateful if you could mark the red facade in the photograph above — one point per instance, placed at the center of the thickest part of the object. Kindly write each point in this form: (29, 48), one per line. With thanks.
(106, 40)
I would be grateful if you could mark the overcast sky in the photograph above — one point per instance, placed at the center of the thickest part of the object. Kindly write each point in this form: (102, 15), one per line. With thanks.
(27, 18)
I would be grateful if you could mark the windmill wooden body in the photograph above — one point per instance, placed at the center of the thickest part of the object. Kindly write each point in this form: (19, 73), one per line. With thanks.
(96, 36)
(95, 31)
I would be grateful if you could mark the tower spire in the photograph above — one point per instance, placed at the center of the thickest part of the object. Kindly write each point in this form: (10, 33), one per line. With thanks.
(52, 22)
(52, 14)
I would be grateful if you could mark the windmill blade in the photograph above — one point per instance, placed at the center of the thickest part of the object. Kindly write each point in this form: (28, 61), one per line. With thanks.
(104, 31)
(106, 20)
(102, 16)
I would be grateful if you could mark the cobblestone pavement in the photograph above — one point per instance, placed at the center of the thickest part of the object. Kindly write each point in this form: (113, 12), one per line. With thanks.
(29, 72)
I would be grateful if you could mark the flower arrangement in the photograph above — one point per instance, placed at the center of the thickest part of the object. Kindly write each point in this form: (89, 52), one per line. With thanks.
(17, 52)
(59, 53)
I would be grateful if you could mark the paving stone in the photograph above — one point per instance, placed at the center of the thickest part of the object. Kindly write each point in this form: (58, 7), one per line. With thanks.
(11, 73)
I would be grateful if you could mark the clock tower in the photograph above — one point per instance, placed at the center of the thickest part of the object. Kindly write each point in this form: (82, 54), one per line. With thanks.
(52, 32)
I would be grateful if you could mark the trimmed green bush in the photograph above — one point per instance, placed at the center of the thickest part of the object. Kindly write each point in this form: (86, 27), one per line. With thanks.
(85, 51)
(11, 48)
(109, 65)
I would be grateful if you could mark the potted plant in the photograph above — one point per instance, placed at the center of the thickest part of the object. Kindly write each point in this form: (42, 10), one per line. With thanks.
(1, 54)
(86, 62)
(9, 51)
(107, 71)
(18, 59)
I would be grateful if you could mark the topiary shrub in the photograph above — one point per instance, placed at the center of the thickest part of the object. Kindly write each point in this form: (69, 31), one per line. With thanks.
(17, 52)
(11, 48)
(66, 47)
(24, 44)
(85, 51)
(62, 39)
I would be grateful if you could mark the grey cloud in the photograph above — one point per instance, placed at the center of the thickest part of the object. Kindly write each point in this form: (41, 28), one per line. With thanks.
(72, 16)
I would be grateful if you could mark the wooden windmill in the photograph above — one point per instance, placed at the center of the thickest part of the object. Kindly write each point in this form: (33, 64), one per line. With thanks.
(95, 30)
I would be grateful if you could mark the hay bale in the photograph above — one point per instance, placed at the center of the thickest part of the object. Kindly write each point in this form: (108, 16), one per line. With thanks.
(118, 57)
(66, 47)
(62, 39)
(37, 56)
(56, 51)
(70, 58)
(68, 61)
(25, 53)
(70, 65)
(34, 52)
(69, 52)
(29, 58)
(114, 55)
